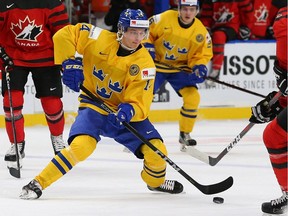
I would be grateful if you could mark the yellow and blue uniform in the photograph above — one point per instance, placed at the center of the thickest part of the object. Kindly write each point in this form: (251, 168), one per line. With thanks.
(115, 79)
(176, 45)
(182, 46)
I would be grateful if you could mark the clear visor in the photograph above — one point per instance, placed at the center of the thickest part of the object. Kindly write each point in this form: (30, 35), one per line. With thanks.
(141, 33)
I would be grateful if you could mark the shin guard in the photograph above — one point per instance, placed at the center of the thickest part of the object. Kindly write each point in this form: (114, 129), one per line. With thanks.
(54, 114)
(189, 110)
(275, 139)
(154, 168)
(17, 104)
(80, 148)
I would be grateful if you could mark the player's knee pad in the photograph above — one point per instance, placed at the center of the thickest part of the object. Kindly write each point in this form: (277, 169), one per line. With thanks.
(191, 97)
(53, 108)
(154, 168)
(274, 137)
(82, 147)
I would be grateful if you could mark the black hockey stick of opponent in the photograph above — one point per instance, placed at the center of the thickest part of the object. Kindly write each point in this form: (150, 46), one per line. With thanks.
(206, 189)
(213, 79)
(213, 161)
(13, 171)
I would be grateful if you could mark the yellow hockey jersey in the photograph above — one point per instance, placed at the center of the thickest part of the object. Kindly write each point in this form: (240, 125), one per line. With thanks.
(179, 46)
(114, 79)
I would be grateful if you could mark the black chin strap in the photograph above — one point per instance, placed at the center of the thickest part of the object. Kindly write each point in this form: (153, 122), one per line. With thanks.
(125, 52)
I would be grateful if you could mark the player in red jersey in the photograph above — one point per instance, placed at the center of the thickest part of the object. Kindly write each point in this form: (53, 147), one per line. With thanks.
(225, 19)
(262, 21)
(275, 133)
(26, 29)
(264, 15)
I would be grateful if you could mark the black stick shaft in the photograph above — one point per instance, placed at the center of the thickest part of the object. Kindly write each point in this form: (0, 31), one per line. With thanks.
(212, 161)
(14, 172)
(214, 80)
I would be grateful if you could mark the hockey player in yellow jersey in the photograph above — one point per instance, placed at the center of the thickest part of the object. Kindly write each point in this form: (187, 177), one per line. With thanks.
(181, 40)
(119, 70)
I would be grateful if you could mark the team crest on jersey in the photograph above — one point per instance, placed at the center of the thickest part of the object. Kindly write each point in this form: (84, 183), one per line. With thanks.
(199, 38)
(261, 14)
(148, 73)
(134, 70)
(26, 30)
(223, 15)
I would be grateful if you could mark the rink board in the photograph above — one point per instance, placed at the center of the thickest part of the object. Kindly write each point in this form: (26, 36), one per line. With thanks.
(248, 65)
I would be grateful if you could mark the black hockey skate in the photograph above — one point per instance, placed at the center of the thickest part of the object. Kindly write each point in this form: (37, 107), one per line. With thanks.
(276, 206)
(31, 191)
(186, 140)
(169, 186)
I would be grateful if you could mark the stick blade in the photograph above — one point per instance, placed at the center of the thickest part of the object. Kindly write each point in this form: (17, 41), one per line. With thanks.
(15, 172)
(192, 151)
(213, 161)
(218, 187)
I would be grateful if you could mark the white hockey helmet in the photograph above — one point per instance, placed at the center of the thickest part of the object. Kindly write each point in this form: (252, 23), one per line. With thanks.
(188, 3)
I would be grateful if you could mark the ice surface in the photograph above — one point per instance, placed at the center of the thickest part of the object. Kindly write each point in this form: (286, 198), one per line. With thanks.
(109, 182)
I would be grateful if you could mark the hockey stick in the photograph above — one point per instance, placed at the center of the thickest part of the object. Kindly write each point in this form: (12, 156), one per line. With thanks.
(13, 171)
(206, 189)
(213, 79)
(213, 161)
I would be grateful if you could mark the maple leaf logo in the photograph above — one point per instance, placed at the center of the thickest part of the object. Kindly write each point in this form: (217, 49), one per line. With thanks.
(26, 30)
(262, 13)
(223, 15)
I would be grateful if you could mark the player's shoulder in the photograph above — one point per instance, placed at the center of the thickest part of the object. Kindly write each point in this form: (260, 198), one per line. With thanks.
(96, 32)
(166, 15)
(144, 58)
(281, 17)
(198, 23)
(169, 14)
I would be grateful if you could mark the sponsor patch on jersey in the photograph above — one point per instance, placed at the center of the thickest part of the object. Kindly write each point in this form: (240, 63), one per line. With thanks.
(199, 38)
(154, 19)
(134, 70)
(208, 40)
(151, 20)
(95, 32)
(148, 73)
